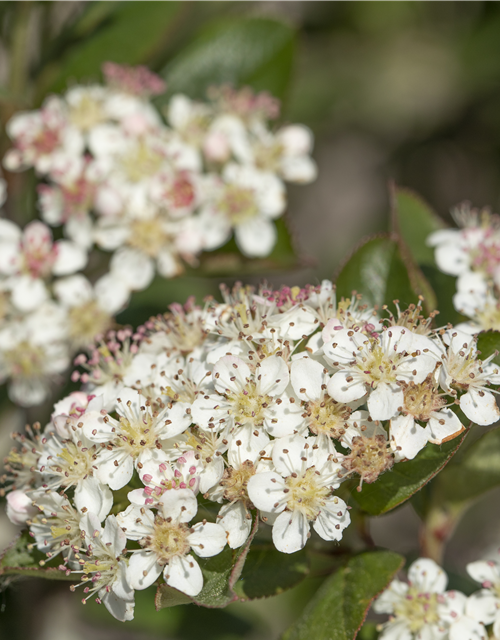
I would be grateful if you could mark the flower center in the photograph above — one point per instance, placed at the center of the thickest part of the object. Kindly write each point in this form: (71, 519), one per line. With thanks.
(142, 162)
(137, 434)
(73, 463)
(238, 204)
(421, 400)
(305, 494)
(169, 539)
(25, 360)
(489, 317)
(86, 322)
(418, 609)
(377, 366)
(327, 416)
(86, 113)
(463, 368)
(248, 405)
(148, 236)
(267, 157)
(369, 457)
(235, 483)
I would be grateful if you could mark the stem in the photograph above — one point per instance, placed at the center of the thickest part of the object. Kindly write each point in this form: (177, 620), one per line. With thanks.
(364, 530)
(19, 71)
(438, 528)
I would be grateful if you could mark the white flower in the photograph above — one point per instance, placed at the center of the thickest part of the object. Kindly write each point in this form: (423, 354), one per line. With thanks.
(133, 438)
(465, 616)
(19, 507)
(415, 608)
(486, 602)
(167, 542)
(300, 492)
(105, 567)
(248, 200)
(376, 364)
(463, 371)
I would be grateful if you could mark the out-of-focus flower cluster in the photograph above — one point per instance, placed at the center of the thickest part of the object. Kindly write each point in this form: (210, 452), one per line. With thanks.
(472, 254)
(156, 195)
(267, 401)
(422, 608)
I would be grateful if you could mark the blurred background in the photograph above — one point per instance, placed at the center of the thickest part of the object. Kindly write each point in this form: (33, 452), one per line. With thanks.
(408, 91)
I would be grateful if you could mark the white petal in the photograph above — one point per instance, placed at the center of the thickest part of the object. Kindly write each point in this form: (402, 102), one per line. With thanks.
(70, 258)
(179, 503)
(113, 536)
(133, 267)
(245, 445)
(332, 519)
(443, 425)
(307, 376)
(184, 574)
(233, 519)
(482, 606)
(288, 454)
(272, 376)
(467, 629)
(205, 414)
(208, 539)
(117, 607)
(136, 524)
(73, 291)
(284, 418)
(230, 373)
(481, 409)
(256, 237)
(407, 437)
(384, 401)
(116, 476)
(28, 293)
(143, 569)
(290, 531)
(427, 576)
(266, 491)
(343, 388)
(112, 293)
(483, 571)
(94, 496)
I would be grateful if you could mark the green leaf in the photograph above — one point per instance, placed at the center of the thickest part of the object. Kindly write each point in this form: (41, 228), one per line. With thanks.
(414, 220)
(220, 574)
(377, 270)
(339, 608)
(249, 51)
(406, 478)
(444, 287)
(130, 34)
(267, 572)
(477, 471)
(488, 343)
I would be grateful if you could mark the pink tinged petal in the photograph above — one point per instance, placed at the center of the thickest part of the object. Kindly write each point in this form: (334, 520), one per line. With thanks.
(481, 409)
(427, 576)
(384, 401)
(288, 454)
(307, 377)
(343, 387)
(482, 606)
(290, 531)
(208, 539)
(272, 376)
(178, 503)
(184, 574)
(332, 520)
(467, 629)
(256, 237)
(94, 496)
(443, 426)
(230, 373)
(69, 258)
(407, 437)
(135, 523)
(116, 476)
(143, 569)
(483, 571)
(233, 519)
(266, 491)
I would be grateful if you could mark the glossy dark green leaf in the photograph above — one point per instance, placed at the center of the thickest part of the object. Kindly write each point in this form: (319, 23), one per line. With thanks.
(377, 270)
(268, 572)
(488, 343)
(474, 473)
(414, 220)
(339, 608)
(406, 478)
(130, 33)
(249, 51)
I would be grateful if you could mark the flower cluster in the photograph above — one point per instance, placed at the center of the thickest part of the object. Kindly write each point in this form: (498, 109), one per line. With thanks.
(422, 608)
(267, 401)
(472, 253)
(117, 178)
